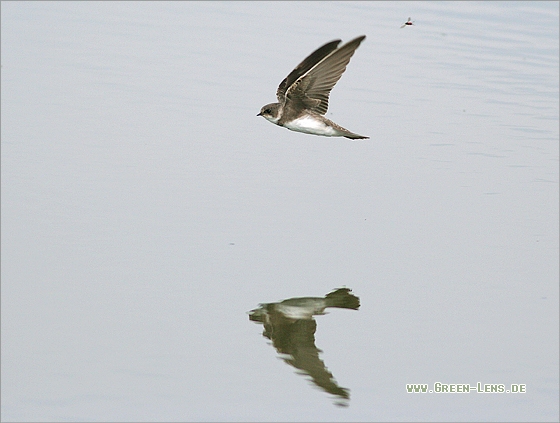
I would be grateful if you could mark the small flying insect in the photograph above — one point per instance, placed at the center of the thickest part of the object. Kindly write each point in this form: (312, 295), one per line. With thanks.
(409, 22)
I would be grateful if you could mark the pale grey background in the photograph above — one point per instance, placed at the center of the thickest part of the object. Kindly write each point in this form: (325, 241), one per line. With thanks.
(132, 160)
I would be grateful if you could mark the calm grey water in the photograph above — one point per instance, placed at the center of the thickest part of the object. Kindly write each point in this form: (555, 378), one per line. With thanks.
(146, 209)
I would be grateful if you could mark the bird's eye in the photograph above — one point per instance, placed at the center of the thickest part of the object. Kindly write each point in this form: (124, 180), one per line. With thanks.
(267, 111)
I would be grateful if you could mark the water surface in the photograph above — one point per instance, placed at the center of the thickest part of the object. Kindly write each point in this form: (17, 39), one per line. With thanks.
(146, 210)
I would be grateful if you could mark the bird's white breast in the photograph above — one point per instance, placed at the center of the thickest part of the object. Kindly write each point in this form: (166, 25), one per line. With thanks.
(311, 125)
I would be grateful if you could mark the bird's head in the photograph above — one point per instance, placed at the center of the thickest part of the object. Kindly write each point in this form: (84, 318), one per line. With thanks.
(271, 112)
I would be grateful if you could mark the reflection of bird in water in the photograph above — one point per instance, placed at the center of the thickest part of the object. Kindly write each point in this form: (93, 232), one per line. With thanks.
(291, 327)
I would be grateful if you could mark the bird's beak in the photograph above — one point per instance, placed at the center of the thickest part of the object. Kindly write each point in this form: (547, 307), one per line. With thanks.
(259, 114)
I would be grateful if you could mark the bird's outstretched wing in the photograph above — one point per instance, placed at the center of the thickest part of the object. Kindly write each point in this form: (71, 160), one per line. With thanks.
(304, 67)
(314, 78)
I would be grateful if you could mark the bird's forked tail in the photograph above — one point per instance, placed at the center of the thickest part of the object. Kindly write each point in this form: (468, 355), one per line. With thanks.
(342, 298)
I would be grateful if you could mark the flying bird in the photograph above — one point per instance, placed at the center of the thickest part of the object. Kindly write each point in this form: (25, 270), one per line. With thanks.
(303, 96)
